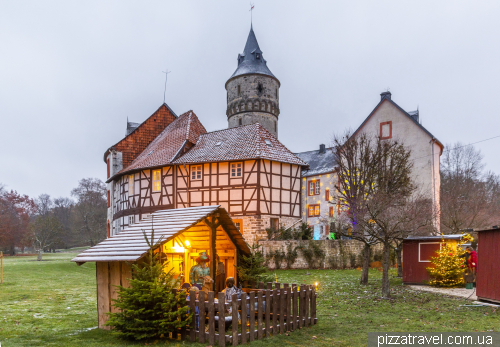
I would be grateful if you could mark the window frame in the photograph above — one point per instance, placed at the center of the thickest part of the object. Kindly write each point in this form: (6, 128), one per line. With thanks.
(199, 172)
(313, 210)
(327, 194)
(236, 168)
(330, 211)
(156, 181)
(316, 187)
(390, 130)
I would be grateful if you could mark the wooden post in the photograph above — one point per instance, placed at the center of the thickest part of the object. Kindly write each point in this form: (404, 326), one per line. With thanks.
(288, 308)
(275, 312)
(211, 319)
(234, 313)
(1, 267)
(301, 306)
(252, 316)
(268, 310)
(212, 239)
(201, 310)
(244, 314)
(306, 304)
(259, 315)
(282, 310)
(294, 306)
(222, 320)
(313, 306)
(192, 309)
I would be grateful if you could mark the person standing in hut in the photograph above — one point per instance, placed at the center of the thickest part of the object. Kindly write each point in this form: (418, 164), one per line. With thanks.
(220, 278)
(200, 270)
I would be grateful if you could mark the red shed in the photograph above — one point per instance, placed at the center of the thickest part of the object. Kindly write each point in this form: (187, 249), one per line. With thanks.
(417, 253)
(488, 265)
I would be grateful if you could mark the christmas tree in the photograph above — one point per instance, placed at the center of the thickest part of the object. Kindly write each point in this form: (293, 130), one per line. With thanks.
(148, 308)
(449, 267)
(251, 269)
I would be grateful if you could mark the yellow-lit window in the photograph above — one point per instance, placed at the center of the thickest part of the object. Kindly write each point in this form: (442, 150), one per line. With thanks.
(156, 180)
(130, 185)
(236, 169)
(195, 172)
(316, 210)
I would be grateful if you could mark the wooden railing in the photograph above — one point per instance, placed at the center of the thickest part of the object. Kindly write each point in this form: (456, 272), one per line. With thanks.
(263, 313)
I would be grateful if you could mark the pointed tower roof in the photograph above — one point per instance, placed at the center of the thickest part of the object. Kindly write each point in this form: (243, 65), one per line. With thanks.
(252, 61)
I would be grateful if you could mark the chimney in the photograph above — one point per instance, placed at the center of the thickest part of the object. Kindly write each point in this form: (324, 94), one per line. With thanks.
(322, 149)
(385, 95)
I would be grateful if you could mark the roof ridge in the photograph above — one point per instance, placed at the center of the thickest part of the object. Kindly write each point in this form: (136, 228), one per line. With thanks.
(226, 129)
(188, 125)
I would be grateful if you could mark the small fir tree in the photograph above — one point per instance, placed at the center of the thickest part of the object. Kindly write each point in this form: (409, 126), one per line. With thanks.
(148, 309)
(252, 268)
(449, 267)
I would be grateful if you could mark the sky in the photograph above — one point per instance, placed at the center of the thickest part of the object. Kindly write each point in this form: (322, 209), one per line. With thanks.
(71, 72)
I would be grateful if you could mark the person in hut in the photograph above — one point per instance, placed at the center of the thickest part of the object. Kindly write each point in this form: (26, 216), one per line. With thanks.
(200, 270)
(472, 261)
(220, 278)
(228, 294)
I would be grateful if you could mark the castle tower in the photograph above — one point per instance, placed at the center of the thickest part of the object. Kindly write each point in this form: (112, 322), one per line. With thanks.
(253, 90)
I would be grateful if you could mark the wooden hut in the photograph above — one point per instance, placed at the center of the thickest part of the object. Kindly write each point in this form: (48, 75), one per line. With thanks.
(417, 253)
(488, 269)
(184, 233)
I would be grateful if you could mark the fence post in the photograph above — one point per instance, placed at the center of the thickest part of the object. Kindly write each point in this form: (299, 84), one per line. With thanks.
(244, 314)
(251, 329)
(1, 267)
(222, 320)
(301, 305)
(313, 306)
(275, 312)
(288, 308)
(259, 315)
(201, 314)
(294, 306)
(234, 319)
(192, 309)
(211, 319)
(306, 304)
(282, 310)
(268, 311)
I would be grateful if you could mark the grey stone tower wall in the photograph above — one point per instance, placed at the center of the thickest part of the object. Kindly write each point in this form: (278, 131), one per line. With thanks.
(251, 106)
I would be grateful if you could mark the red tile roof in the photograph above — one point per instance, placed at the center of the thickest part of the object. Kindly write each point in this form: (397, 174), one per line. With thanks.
(135, 143)
(243, 142)
(169, 144)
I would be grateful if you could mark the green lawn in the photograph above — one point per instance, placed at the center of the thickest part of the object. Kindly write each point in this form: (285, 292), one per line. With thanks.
(53, 303)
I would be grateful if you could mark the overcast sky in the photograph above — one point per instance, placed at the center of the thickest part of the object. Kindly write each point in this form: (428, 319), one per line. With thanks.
(71, 72)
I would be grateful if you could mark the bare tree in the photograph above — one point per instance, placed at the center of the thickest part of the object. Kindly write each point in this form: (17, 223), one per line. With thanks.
(63, 209)
(469, 197)
(356, 162)
(91, 209)
(46, 228)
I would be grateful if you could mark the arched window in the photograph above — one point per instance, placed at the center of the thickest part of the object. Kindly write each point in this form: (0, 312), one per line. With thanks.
(239, 90)
(240, 122)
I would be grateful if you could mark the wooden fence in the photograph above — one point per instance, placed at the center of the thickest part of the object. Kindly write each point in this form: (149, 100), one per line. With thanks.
(263, 313)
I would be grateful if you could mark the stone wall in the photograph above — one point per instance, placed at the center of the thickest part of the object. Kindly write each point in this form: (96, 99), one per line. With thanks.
(254, 227)
(339, 253)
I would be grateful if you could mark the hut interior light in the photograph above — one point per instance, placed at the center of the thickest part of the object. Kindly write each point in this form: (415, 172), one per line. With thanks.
(187, 243)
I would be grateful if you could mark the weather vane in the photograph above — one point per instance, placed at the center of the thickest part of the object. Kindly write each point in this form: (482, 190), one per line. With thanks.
(251, 12)
(165, 91)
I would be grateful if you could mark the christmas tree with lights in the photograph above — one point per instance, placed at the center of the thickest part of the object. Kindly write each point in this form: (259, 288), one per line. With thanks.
(449, 267)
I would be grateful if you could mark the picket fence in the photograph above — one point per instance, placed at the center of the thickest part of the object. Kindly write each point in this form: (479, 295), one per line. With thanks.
(265, 312)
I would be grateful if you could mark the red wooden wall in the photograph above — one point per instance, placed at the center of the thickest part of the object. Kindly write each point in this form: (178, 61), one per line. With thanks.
(414, 270)
(488, 265)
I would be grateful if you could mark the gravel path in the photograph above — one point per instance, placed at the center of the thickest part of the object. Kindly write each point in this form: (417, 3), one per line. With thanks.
(461, 292)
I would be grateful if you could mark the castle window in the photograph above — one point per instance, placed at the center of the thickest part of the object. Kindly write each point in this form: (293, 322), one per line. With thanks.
(386, 130)
(275, 126)
(156, 180)
(314, 187)
(130, 185)
(239, 90)
(276, 93)
(240, 121)
(260, 88)
(236, 169)
(313, 211)
(257, 55)
(195, 172)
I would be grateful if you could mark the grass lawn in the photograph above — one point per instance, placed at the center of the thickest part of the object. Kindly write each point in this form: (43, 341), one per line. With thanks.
(53, 303)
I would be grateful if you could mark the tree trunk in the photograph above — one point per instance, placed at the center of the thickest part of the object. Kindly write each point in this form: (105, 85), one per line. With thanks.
(399, 260)
(12, 250)
(366, 264)
(386, 290)
(39, 258)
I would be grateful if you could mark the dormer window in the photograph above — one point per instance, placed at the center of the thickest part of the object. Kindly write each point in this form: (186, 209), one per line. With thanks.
(268, 142)
(257, 55)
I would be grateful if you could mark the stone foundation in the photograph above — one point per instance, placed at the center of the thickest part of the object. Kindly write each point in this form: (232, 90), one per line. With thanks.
(254, 227)
(347, 256)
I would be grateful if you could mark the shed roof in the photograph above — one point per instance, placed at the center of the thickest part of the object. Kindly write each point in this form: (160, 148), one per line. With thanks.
(435, 238)
(130, 245)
